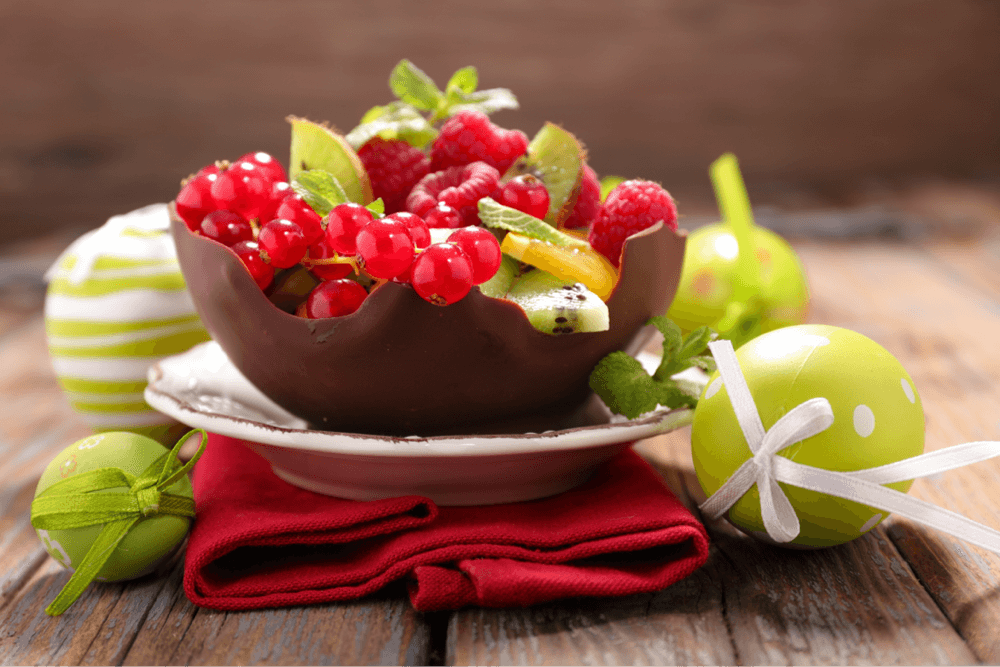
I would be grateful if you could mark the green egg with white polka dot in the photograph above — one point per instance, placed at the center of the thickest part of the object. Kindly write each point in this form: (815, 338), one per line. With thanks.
(877, 419)
(149, 542)
(117, 303)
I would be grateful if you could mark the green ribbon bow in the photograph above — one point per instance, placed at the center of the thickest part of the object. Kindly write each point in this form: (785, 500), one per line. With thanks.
(73, 503)
(742, 319)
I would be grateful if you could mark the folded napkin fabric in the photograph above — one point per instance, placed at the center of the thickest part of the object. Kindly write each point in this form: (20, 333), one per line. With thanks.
(260, 542)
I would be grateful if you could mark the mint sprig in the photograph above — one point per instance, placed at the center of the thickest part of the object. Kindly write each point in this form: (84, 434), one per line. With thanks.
(396, 120)
(412, 85)
(320, 189)
(627, 389)
(496, 215)
(421, 104)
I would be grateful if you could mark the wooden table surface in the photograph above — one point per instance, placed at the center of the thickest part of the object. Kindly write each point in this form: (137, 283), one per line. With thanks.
(900, 594)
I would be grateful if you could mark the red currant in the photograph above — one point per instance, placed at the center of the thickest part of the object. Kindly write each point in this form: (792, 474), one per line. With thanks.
(226, 227)
(275, 172)
(442, 274)
(443, 215)
(319, 251)
(385, 248)
(249, 253)
(483, 251)
(334, 298)
(282, 243)
(527, 194)
(279, 190)
(195, 201)
(343, 224)
(243, 188)
(415, 226)
(295, 208)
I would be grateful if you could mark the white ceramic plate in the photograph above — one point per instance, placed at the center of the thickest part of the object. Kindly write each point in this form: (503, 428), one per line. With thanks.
(201, 388)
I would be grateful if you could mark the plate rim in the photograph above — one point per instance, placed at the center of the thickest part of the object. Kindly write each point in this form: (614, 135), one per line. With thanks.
(657, 422)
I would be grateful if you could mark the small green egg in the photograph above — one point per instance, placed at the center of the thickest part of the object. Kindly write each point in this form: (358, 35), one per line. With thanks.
(151, 541)
(710, 269)
(878, 419)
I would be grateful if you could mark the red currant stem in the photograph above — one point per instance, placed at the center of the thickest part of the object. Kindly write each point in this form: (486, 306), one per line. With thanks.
(336, 259)
(254, 227)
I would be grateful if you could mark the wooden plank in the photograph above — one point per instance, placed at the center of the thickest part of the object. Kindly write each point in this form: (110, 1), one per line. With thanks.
(682, 624)
(854, 604)
(938, 311)
(381, 630)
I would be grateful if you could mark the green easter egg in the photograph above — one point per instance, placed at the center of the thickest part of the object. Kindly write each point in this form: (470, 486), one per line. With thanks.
(150, 541)
(116, 303)
(878, 419)
(710, 268)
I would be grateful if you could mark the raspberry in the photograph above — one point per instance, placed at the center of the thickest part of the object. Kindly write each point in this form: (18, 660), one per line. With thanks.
(630, 208)
(469, 136)
(588, 203)
(394, 167)
(459, 188)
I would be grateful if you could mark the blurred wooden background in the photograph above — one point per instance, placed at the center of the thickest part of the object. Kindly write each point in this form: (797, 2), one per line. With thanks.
(106, 104)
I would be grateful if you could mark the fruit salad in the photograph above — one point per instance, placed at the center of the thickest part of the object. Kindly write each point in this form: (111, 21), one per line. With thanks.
(427, 192)
(428, 272)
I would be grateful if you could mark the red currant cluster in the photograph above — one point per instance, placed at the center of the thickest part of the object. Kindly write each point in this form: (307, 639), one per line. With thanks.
(226, 202)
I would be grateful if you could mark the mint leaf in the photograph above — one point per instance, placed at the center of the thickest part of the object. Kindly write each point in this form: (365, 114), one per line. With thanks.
(672, 341)
(695, 343)
(411, 85)
(377, 207)
(498, 216)
(487, 101)
(319, 189)
(464, 80)
(396, 120)
(628, 390)
(624, 385)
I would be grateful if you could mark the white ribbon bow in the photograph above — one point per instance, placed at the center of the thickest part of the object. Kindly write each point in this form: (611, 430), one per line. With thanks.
(765, 469)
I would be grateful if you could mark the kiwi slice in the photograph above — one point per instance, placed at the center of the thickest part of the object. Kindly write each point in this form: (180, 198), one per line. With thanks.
(316, 146)
(557, 306)
(556, 157)
(503, 279)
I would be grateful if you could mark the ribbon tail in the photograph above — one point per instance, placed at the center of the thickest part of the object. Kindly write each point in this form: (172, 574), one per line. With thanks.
(780, 520)
(844, 486)
(102, 548)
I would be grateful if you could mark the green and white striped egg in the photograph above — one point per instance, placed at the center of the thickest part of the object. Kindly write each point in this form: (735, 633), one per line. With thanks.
(117, 303)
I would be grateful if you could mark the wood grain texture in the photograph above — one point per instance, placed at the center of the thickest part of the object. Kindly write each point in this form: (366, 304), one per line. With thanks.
(937, 311)
(108, 104)
(377, 631)
(682, 624)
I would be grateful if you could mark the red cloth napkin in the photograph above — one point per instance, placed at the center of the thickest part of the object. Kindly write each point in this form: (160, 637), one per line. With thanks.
(260, 542)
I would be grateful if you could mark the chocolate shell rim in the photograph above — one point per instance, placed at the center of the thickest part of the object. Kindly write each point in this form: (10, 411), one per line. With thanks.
(652, 229)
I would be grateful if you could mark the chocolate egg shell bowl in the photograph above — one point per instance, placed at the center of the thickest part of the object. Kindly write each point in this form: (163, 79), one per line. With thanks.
(400, 366)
